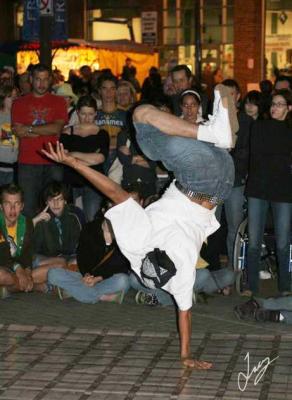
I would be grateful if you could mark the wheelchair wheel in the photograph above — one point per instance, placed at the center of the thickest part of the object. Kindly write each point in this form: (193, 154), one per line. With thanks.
(241, 236)
(241, 281)
(239, 257)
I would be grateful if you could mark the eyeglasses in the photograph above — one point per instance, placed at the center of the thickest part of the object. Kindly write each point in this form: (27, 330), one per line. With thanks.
(279, 105)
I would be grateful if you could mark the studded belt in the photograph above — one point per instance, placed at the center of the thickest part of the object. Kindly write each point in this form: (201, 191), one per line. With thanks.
(198, 196)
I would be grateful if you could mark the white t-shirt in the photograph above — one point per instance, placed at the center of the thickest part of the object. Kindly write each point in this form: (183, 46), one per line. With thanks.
(174, 224)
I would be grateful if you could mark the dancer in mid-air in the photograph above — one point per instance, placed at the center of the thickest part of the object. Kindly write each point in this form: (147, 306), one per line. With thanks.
(163, 241)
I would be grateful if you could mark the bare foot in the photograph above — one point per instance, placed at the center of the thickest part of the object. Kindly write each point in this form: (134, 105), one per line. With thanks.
(196, 364)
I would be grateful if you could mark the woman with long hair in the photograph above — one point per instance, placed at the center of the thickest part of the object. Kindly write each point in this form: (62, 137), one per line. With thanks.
(90, 145)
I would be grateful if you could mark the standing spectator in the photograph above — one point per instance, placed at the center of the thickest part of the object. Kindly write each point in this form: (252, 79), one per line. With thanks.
(190, 102)
(152, 87)
(91, 150)
(24, 84)
(183, 79)
(233, 205)
(126, 95)
(66, 91)
(85, 75)
(270, 185)
(8, 141)
(37, 118)
(129, 74)
(252, 104)
(110, 117)
(282, 82)
(266, 88)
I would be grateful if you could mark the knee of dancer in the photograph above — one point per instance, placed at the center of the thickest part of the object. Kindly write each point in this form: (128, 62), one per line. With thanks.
(141, 113)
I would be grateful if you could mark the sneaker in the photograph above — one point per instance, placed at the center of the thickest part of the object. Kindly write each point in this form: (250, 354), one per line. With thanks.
(4, 293)
(247, 310)
(221, 128)
(146, 298)
(265, 275)
(262, 315)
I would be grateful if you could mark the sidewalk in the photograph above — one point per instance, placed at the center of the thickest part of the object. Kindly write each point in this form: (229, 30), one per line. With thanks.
(51, 349)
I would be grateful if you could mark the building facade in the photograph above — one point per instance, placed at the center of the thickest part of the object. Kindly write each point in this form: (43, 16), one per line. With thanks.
(245, 39)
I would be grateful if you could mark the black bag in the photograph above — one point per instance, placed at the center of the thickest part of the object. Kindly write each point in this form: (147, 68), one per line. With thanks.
(156, 269)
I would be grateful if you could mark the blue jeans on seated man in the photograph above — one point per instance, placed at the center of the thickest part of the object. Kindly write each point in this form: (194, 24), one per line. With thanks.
(282, 216)
(72, 283)
(206, 281)
(282, 304)
(198, 166)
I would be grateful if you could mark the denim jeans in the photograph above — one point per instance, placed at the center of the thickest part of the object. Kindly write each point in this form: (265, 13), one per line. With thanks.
(206, 281)
(91, 200)
(282, 304)
(164, 298)
(198, 166)
(72, 283)
(234, 213)
(282, 215)
(33, 178)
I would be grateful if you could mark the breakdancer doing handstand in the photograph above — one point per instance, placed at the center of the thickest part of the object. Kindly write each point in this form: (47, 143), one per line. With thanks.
(163, 241)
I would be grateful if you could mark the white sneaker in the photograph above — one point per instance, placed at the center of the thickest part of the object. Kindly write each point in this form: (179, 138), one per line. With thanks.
(265, 275)
(223, 123)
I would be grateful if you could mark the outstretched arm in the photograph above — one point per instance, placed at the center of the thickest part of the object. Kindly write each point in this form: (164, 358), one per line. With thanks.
(104, 184)
(185, 333)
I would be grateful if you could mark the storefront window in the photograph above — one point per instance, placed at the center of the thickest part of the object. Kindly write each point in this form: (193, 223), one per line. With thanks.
(278, 43)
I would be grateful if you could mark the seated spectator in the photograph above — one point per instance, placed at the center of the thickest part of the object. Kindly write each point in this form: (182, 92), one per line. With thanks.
(103, 270)
(274, 309)
(137, 169)
(207, 282)
(15, 243)
(56, 234)
(91, 150)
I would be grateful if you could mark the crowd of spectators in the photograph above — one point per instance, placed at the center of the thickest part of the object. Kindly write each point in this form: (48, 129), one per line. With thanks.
(53, 236)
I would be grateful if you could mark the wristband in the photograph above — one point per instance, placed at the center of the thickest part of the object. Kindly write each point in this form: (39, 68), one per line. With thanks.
(16, 266)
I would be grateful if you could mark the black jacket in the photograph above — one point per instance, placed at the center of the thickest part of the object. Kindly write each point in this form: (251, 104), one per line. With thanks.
(270, 174)
(92, 249)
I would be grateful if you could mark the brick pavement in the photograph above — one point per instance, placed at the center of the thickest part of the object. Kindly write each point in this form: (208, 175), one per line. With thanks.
(66, 350)
(45, 363)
